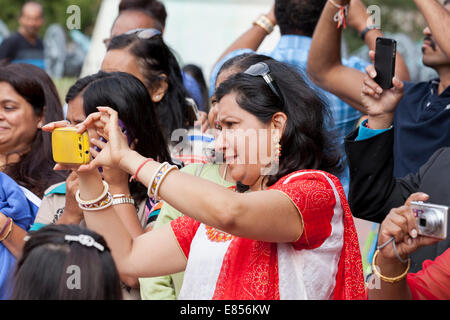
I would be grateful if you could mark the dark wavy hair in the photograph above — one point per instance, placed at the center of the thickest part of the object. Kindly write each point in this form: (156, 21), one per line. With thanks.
(155, 60)
(42, 273)
(306, 143)
(298, 16)
(154, 7)
(242, 62)
(128, 96)
(35, 171)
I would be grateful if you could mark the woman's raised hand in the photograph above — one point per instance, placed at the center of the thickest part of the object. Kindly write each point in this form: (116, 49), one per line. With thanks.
(376, 100)
(106, 123)
(49, 127)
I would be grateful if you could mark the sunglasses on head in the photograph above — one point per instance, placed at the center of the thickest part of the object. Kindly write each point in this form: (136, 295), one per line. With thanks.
(141, 33)
(261, 69)
(145, 34)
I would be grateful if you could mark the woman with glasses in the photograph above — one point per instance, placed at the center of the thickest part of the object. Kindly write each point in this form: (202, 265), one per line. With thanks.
(143, 53)
(291, 236)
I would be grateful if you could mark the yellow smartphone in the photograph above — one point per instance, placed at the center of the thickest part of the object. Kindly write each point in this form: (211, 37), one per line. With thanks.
(70, 147)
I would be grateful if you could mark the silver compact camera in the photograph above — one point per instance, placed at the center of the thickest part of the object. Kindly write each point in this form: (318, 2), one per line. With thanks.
(431, 219)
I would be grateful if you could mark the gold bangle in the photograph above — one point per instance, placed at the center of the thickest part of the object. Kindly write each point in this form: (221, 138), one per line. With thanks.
(267, 21)
(264, 23)
(9, 230)
(388, 279)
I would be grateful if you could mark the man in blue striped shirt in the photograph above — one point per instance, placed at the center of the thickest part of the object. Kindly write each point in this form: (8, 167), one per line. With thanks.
(297, 20)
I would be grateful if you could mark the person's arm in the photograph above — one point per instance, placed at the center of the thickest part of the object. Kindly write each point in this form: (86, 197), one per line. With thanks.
(161, 288)
(438, 20)
(151, 254)
(72, 214)
(265, 215)
(15, 241)
(118, 184)
(325, 63)
(219, 207)
(400, 224)
(216, 206)
(373, 188)
(251, 39)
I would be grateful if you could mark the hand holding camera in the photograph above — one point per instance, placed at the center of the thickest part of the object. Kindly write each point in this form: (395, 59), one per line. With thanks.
(410, 229)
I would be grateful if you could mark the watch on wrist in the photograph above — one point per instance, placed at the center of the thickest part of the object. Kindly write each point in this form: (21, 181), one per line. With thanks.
(367, 29)
(122, 200)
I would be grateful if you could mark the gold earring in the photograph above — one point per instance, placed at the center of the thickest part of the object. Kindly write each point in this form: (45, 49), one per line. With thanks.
(277, 148)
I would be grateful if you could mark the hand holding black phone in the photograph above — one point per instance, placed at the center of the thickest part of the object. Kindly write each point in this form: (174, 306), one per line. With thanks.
(385, 52)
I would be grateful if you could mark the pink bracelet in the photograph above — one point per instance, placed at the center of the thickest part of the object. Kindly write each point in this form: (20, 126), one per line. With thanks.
(134, 176)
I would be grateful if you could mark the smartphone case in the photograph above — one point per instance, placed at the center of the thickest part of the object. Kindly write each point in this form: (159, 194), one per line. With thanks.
(385, 54)
(70, 147)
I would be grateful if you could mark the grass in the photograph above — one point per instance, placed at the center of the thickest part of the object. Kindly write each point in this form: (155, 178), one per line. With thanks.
(63, 85)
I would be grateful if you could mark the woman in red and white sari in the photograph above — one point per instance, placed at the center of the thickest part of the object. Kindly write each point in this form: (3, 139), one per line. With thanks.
(291, 236)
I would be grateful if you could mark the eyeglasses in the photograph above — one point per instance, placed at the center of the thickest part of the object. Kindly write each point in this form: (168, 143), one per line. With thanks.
(261, 69)
(141, 33)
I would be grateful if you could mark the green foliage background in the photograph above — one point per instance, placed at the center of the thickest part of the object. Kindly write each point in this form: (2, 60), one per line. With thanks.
(391, 21)
(54, 12)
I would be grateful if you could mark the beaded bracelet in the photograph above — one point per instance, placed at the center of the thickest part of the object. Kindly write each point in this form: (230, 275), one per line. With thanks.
(340, 15)
(152, 185)
(157, 178)
(99, 205)
(170, 168)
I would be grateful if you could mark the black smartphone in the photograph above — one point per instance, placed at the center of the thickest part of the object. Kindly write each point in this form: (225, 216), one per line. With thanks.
(385, 52)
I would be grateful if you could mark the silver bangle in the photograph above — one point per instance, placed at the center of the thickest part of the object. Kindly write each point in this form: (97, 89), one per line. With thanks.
(123, 200)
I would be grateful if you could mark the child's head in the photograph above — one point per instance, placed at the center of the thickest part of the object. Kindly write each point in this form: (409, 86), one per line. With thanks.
(66, 262)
